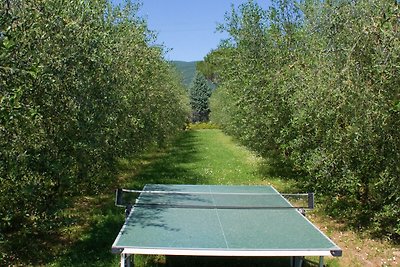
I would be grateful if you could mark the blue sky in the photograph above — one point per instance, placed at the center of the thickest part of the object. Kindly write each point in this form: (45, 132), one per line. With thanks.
(187, 27)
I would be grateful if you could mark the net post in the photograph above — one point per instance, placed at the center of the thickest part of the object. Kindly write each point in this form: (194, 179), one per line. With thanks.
(310, 200)
(118, 197)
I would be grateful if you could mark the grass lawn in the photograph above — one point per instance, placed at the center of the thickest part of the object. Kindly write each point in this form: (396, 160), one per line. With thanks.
(197, 157)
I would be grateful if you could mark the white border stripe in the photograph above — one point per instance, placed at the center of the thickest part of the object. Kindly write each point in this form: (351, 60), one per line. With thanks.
(122, 229)
(219, 220)
(230, 252)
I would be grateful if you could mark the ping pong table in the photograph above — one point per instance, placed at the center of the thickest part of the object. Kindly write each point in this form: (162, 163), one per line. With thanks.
(219, 220)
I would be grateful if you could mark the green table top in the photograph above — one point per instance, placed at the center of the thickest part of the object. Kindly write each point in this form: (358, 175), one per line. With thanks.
(219, 231)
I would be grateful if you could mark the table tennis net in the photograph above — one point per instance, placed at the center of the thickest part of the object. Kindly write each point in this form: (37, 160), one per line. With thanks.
(210, 200)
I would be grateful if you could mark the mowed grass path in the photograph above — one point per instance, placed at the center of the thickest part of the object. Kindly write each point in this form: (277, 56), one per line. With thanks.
(197, 157)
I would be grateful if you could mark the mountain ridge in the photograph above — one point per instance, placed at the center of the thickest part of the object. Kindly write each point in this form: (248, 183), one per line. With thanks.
(187, 69)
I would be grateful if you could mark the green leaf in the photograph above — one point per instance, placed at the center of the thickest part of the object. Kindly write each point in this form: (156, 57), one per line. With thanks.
(8, 43)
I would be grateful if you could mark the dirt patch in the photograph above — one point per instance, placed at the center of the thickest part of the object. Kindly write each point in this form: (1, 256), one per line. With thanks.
(358, 248)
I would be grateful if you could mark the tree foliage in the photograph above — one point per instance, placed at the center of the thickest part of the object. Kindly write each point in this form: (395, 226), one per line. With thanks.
(81, 85)
(199, 94)
(317, 84)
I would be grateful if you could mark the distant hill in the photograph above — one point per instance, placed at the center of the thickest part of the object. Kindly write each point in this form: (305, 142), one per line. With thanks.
(188, 70)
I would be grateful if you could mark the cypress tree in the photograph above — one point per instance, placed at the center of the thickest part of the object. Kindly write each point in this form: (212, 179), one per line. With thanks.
(199, 93)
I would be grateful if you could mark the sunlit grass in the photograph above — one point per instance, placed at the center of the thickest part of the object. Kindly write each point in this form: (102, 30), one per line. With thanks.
(205, 156)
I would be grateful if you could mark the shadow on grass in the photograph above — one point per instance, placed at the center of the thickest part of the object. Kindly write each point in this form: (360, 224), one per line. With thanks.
(275, 164)
(171, 167)
(94, 246)
(175, 261)
(82, 237)
(276, 169)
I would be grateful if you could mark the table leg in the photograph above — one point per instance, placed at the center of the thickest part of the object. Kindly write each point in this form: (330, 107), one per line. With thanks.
(125, 260)
(297, 261)
(321, 261)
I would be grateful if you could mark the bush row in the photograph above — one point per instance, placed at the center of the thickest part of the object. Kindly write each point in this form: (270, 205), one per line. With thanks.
(316, 83)
(81, 85)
